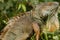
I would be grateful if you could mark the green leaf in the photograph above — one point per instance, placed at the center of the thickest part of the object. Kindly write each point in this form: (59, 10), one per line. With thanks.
(14, 0)
(23, 7)
(55, 38)
(4, 21)
(1, 0)
(19, 6)
(26, 0)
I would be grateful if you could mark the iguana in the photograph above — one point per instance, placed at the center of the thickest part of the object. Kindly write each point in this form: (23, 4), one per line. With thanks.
(46, 15)
(20, 28)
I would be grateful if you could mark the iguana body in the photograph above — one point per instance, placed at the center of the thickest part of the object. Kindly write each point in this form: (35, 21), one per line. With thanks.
(19, 28)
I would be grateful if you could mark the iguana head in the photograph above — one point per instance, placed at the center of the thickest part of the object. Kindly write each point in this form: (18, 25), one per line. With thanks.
(49, 8)
(45, 9)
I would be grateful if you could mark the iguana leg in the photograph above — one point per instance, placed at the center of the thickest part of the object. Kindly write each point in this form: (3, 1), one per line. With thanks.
(36, 30)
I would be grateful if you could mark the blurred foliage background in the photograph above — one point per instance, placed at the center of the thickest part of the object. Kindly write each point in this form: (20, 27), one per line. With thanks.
(10, 8)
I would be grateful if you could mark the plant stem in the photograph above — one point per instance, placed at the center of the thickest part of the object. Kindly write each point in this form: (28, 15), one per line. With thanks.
(46, 35)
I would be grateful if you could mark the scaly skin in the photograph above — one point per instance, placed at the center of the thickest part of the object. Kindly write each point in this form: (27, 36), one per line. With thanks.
(19, 28)
(46, 15)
